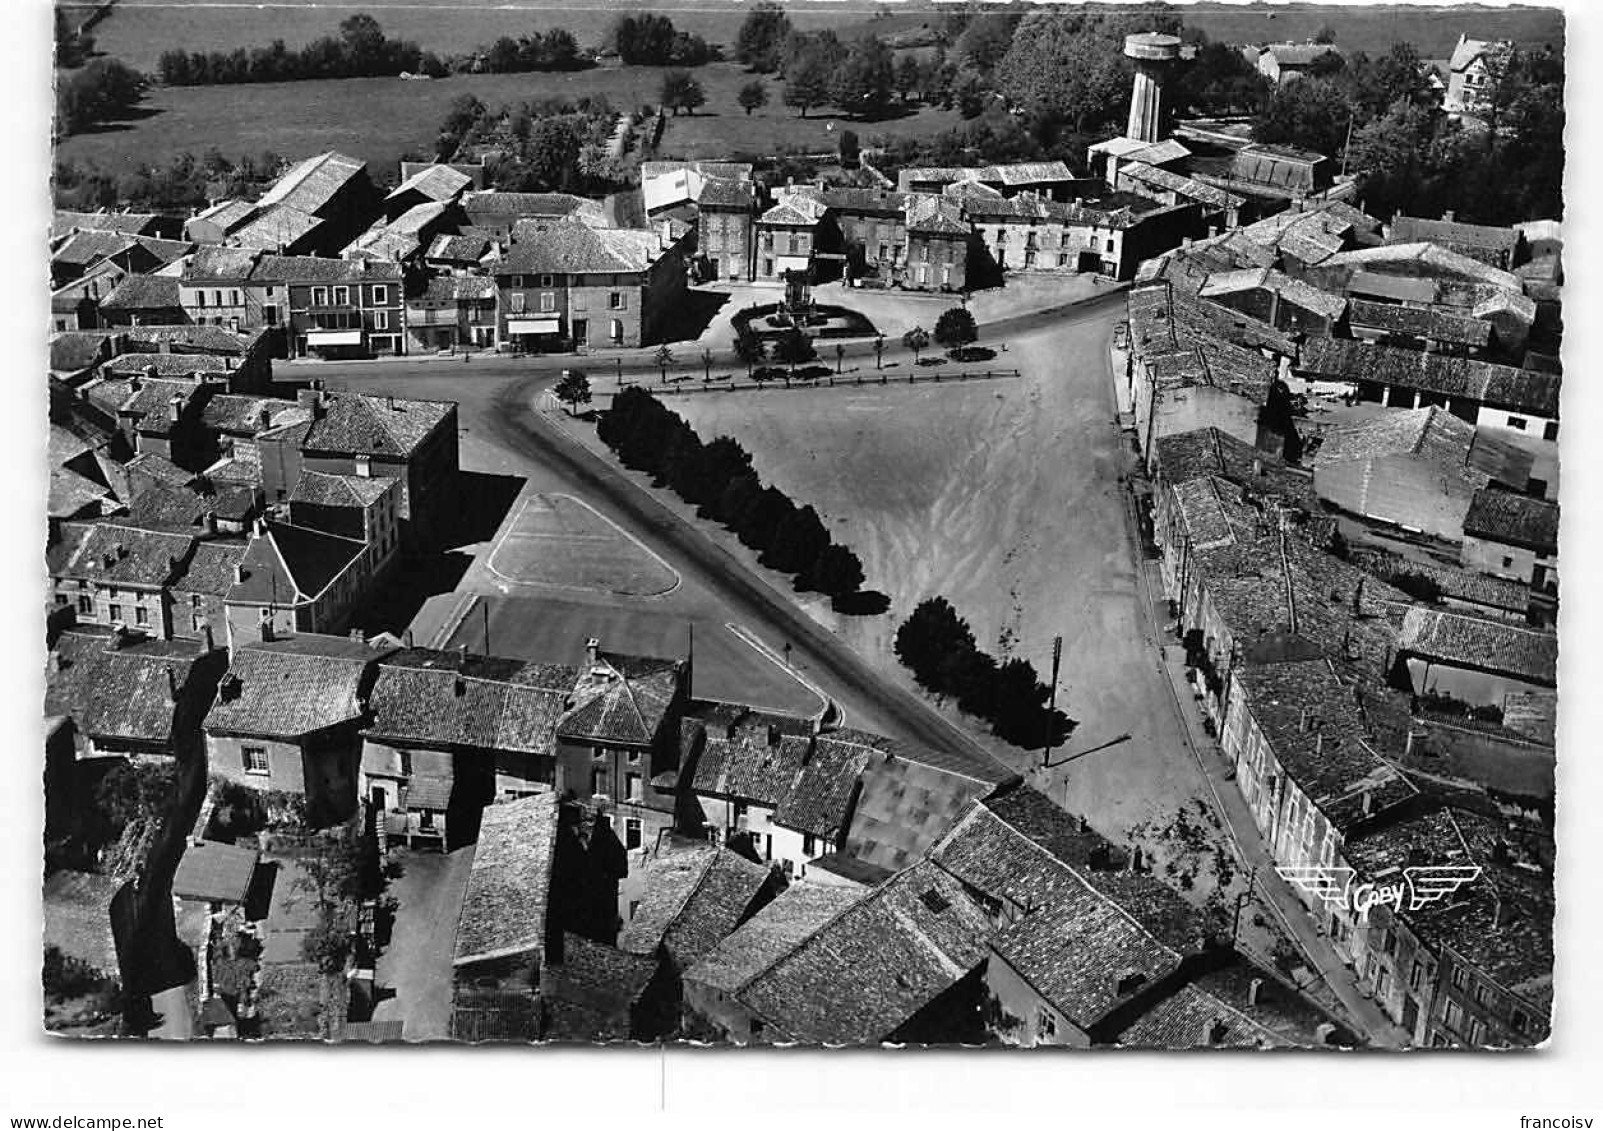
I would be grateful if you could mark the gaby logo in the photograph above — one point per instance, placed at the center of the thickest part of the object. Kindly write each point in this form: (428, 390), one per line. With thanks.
(1419, 886)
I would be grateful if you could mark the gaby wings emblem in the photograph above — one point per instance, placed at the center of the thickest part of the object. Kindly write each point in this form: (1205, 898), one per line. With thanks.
(1427, 885)
(1330, 885)
(1419, 886)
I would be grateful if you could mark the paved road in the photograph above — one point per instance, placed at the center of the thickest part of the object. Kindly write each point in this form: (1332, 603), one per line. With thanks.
(497, 367)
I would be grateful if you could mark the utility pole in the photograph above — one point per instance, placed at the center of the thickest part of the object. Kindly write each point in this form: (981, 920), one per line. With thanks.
(1348, 144)
(1052, 707)
(484, 608)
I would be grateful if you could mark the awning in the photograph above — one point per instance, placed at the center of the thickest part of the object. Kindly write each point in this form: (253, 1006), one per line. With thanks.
(534, 325)
(334, 338)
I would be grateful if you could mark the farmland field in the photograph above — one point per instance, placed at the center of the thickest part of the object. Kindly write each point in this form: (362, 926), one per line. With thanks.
(380, 119)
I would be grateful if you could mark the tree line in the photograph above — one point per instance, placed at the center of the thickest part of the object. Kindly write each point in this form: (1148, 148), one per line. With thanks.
(938, 647)
(650, 40)
(719, 480)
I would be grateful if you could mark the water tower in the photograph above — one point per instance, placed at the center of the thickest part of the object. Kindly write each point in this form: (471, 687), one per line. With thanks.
(1155, 55)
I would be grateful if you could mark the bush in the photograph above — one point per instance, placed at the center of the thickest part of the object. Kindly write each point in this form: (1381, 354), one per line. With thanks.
(328, 945)
(955, 328)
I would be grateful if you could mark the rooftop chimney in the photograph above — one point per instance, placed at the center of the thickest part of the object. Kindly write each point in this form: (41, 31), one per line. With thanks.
(1253, 987)
(175, 407)
(172, 685)
(264, 626)
(773, 734)
(1368, 802)
(591, 647)
(1448, 215)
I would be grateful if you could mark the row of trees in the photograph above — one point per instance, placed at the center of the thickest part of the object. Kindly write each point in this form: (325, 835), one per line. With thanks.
(360, 50)
(101, 90)
(650, 40)
(938, 647)
(718, 478)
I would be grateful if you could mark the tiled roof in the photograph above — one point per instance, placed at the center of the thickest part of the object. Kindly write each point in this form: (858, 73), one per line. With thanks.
(84, 248)
(451, 700)
(1500, 385)
(125, 691)
(458, 247)
(1518, 520)
(1312, 722)
(1299, 54)
(1428, 258)
(275, 229)
(508, 892)
(552, 204)
(1468, 50)
(1188, 187)
(1461, 584)
(798, 210)
(588, 996)
(178, 366)
(402, 237)
(1455, 235)
(239, 414)
(872, 967)
(218, 341)
(288, 565)
(719, 193)
(314, 183)
(1209, 452)
(110, 553)
(1467, 641)
(437, 182)
(211, 568)
(765, 938)
(313, 269)
(693, 897)
(751, 765)
(572, 248)
(214, 872)
(819, 800)
(1431, 323)
(1410, 431)
(372, 425)
(1267, 278)
(214, 263)
(143, 292)
(74, 496)
(328, 490)
(621, 699)
(130, 223)
(228, 214)
(73, 350)
(909, 799)
(290, 688)
(1193, 1017)
(935, 214)
(458, 288)
(185, 507)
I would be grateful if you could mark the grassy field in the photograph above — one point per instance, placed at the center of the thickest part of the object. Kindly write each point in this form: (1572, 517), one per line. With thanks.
(380, 119)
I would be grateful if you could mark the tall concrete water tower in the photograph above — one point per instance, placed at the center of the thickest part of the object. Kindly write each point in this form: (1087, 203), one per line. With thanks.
(1155, 55)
